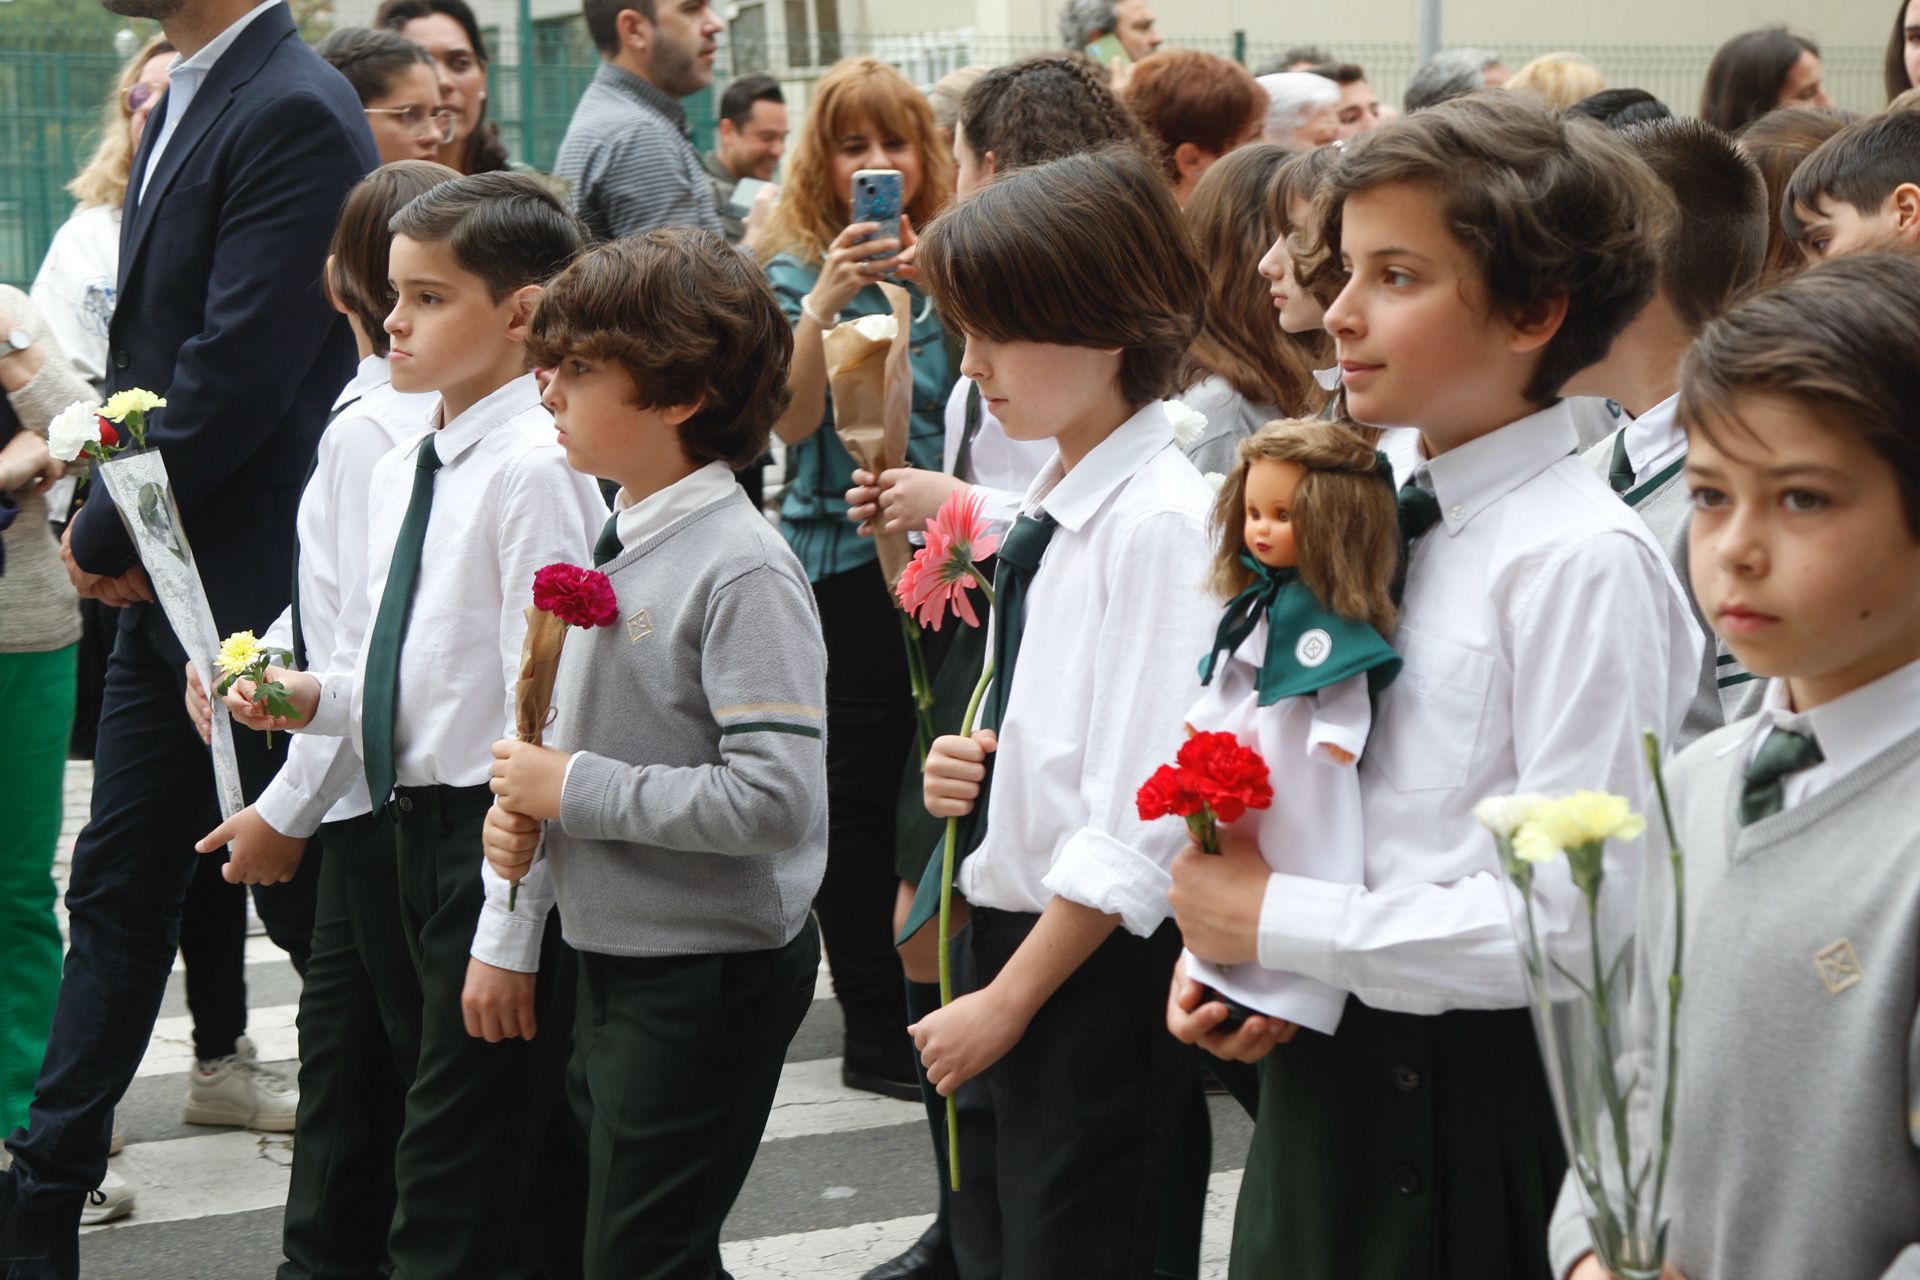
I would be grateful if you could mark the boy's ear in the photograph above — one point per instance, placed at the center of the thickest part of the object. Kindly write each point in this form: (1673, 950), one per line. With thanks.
(990, 164)
(523, 301)
(1532, 325)
(1905, 203)
(675, 414)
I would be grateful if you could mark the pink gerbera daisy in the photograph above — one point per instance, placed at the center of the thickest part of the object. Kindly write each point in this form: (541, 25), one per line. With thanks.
(942, 570)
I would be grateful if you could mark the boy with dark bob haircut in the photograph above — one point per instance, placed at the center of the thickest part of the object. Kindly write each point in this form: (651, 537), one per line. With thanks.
(1494, 250)
(1707, 259)
(1796, 1149)
(1859, 191)
(684, 798)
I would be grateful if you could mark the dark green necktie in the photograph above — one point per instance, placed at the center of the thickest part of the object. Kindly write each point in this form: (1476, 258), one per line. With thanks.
(1419, 510)
(293, 599)
(1784, 752)
(608, 545)
(390, 628)
(1620, 474)
(1019, 558)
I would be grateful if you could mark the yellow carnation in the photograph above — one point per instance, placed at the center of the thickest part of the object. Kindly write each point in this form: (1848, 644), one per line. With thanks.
(1531, 844)
(1588, 817)
(132, 400)
(238, 652)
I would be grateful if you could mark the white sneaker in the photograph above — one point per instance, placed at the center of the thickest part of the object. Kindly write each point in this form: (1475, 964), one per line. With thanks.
(111, 1200)
(238, 1090)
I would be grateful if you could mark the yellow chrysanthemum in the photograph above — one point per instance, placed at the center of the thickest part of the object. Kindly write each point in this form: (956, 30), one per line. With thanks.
(238, 652)
(132, 400)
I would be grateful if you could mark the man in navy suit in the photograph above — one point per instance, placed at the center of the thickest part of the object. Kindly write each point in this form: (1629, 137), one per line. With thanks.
(232, 201)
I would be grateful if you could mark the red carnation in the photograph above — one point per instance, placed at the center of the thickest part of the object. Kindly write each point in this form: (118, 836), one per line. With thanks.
(1230, 777)
(578, 597)
(1167, 794)
(108, 436)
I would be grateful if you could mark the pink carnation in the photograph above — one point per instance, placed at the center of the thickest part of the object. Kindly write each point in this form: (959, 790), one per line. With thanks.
(578, 597)
(942, 571)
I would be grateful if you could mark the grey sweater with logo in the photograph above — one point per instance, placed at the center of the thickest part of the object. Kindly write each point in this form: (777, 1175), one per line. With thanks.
(696, 821)
(1797, 1128)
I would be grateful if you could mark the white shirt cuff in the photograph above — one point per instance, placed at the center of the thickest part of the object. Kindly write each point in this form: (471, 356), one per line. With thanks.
(1299, 919)
(1098, 871)
(290, 808)
(333, 714)
(511, 939)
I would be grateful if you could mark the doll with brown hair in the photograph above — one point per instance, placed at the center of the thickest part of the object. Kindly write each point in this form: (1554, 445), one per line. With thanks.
(1308, 543)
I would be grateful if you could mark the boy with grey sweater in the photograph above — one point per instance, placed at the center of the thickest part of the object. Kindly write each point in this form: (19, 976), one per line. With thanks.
(1796, 1150)
(683, 805)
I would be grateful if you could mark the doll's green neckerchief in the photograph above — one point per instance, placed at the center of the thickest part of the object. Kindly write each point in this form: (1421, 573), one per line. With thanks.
(1308, 645)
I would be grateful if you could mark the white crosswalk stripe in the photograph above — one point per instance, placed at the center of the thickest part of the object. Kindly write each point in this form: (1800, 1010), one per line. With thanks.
(844, 1179)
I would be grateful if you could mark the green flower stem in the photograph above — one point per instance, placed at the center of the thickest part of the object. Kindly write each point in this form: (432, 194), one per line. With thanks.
(922, 687)
(1609, 1080)
(981, 580)
(1678, 862)
(946, 924)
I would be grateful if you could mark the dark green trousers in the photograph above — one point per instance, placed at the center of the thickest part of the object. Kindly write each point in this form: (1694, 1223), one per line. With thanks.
(491, 1171)
(359, 1039)
(675, 1062)
(1402, 1148)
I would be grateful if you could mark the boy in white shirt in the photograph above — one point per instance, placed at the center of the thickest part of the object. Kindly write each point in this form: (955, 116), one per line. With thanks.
(1796, 1143)
(1707, 259)
(1859, 192)
(1494, 250)
(1068, 941)
(460, 518)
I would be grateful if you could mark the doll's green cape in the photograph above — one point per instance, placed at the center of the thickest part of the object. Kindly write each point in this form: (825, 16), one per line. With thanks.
(1308, 645)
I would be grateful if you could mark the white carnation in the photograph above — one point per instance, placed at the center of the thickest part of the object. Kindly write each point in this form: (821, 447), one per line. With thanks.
(1189, 424)
(1503, 815)
(76, 427)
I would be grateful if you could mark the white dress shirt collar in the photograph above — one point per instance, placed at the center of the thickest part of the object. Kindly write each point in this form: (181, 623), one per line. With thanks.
(185, 77)
(1655, 439)
(640, 520)
(1852, 729)
(1471, 477)
(499, 406)
(1073, 497)
(372, 372)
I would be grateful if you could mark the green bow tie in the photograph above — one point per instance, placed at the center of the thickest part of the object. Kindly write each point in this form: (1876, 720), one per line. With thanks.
(1765, 792)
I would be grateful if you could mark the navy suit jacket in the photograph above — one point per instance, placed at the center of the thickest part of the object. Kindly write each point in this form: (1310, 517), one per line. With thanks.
(221, 310)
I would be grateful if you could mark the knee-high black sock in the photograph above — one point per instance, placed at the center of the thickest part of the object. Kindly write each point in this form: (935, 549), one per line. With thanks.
(922, 999)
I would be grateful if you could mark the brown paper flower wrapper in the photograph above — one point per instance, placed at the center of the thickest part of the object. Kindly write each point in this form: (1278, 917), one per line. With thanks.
(539, 664)
(872, 383)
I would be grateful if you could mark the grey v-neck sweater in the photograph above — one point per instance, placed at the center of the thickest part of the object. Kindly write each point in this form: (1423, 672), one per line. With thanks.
(1797, 1143)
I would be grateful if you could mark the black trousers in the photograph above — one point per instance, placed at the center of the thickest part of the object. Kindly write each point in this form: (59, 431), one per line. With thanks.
(213, 943)
(1065, 1142)
(153, 797)
(870, 727)
(359, 1043)
(490, 1174)
(675, 1063)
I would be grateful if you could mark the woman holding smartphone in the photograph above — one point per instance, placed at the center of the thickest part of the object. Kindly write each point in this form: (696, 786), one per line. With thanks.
(865, 116)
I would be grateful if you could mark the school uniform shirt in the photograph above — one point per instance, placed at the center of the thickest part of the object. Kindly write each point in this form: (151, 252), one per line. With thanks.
(322, 779)
(1594, 418)
(999, 468)
(1542, 631)
(1108, 666)
(505, 505)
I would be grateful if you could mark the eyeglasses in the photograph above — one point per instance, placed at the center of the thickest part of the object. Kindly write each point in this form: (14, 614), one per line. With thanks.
(138, 96)
(434, 122)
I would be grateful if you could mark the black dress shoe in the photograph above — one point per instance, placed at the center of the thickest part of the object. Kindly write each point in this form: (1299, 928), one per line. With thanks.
(886, 1086)
(929, 1258)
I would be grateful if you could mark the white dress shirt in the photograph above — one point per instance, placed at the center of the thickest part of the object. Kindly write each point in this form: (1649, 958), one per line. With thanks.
(999, 469)
(1542, 631)
(1655, 440)
(184, 79)
(1313, 827)
(1851, 730)
(322, 778)
(1108, 666)
(505, 505)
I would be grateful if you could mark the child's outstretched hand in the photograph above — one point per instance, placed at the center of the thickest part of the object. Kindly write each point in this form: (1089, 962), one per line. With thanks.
(911, 496)
(956, 767)
(863, 502)
(1216, 898)
(1195, 1019)
(962, 1039)
(199, 709)
(261, 855)
(509, 840)
(302, 690)
(527, 778)
(497, 1003)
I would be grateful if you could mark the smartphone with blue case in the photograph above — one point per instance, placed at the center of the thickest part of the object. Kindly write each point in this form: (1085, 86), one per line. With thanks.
(876, 198)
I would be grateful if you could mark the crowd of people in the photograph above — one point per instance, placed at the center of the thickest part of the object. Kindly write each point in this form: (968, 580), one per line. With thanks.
(1434, 451)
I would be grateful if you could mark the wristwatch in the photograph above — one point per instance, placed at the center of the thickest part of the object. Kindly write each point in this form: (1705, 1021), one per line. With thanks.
(13, 341)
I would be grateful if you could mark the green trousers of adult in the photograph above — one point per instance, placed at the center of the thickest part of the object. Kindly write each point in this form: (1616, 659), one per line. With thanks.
(37, 690)
(676, 1059)
(490, 1174)
(360, 1015)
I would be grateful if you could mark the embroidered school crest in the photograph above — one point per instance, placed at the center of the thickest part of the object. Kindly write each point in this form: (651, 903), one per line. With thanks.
(639, 626)
(1838, 966)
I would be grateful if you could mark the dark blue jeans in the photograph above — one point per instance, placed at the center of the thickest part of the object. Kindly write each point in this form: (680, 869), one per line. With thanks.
(153, 797)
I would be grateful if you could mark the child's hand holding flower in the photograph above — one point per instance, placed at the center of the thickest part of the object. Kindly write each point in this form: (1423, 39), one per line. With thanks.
(1216, 898)
(527, 778)
(258, 693)
(510, 840)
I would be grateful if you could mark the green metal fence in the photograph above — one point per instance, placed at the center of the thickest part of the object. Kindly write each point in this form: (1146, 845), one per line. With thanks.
(52, 82)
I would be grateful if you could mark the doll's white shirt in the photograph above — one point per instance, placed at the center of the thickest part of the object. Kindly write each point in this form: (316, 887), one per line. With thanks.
(1313, 827)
